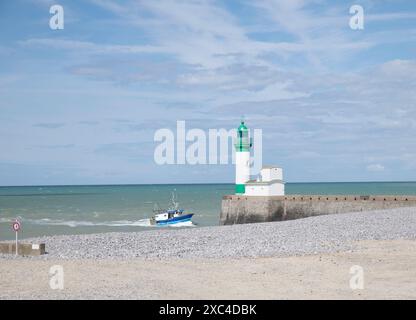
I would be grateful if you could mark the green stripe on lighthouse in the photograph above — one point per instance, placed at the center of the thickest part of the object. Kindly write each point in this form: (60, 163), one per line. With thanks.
(240, 188)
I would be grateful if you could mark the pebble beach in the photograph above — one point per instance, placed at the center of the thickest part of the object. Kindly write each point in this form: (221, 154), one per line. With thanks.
(327, 233)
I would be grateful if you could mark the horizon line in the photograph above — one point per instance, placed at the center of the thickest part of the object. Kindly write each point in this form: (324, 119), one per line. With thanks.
(189, 183)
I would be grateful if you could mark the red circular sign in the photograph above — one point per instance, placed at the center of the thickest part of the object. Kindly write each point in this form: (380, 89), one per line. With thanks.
(16, 226)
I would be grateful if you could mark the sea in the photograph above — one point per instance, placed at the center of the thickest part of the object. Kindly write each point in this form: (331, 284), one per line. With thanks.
(57, 210)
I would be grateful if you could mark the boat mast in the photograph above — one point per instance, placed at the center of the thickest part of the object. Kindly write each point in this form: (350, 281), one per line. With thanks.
(175, 204)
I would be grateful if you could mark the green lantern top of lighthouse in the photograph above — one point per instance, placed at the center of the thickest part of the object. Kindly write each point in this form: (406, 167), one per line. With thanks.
(243, 142)
(242, 126)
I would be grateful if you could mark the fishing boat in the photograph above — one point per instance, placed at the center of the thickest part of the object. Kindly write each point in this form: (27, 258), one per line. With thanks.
(173, 215)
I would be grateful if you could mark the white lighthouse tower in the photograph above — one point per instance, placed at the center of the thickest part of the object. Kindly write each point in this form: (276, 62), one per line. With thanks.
(242, 158)
(268, 183)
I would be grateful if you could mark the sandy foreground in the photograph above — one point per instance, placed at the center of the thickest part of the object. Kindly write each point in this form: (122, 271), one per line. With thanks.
(389, 269)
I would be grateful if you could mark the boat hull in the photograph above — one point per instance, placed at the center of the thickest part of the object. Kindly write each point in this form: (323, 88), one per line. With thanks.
(174, 220)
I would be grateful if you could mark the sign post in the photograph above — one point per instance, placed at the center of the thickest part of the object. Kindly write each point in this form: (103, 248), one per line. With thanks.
(16, 228)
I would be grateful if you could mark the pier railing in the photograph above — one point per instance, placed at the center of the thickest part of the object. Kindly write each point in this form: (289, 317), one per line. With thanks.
(327, 197)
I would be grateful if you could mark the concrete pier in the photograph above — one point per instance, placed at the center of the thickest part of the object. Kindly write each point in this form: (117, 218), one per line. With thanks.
(248, 209)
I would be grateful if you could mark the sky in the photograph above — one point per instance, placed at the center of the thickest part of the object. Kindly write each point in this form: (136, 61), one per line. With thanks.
(81, 105)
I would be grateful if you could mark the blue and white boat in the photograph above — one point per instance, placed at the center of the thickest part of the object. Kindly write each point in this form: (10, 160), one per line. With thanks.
(171, 216)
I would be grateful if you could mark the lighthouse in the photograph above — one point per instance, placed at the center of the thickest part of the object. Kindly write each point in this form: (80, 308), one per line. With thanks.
(242, 158)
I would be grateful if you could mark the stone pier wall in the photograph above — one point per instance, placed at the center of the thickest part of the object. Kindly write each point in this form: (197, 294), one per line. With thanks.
(247, 209)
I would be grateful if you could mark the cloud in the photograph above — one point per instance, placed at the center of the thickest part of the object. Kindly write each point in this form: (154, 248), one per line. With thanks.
(43, 3)
(319, 31)
(50, 125)
(375, 167)
(399, 68)
(390, 16)
(89, 122)
(8, 79)
(139, 152)
(130, 71)
(199, 33)
(90, 47)
(57, 146)
(209, 44)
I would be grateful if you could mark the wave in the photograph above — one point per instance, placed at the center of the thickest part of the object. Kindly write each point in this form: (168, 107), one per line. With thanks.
(10, 219)
(78, 223)
(182, 224)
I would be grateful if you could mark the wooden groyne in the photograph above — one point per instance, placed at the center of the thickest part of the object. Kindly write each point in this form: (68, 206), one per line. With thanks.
(25, 249)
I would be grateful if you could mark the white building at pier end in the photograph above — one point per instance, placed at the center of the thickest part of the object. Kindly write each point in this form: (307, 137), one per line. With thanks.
(269, 183)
